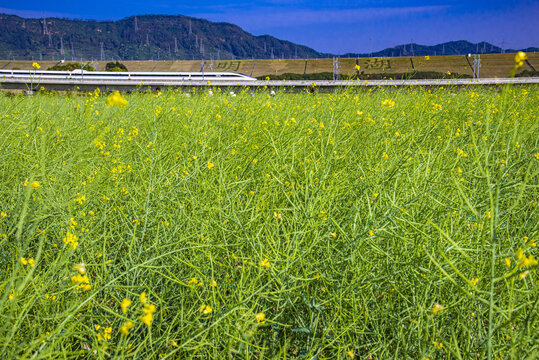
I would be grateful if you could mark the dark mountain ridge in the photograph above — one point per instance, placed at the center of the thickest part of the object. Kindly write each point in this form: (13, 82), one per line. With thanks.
(171, 37)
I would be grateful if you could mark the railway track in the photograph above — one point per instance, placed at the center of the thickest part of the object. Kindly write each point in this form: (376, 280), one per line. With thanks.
(161, 81)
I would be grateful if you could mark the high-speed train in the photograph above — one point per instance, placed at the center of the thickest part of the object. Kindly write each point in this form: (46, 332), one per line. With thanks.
(127, 76)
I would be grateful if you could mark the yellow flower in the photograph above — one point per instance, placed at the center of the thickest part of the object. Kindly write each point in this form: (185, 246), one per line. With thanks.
(3, 214)
(260, 318)
(147, 319)
(106, 333)
(375, 195)
(116, 99)
(174, 343)
(265, 263)
(206, 309)
(520, 57)
(148, 309)
(36, 66)
(474, 281)
(24, 261)
(351, 354)
(126, 327)
(97, 327)
(436, 308)
(80, 198)
(35, 184)
(507, 262)
(210, 165)
(385, 156)
(71, 239)
(388, 103)
(30, 261)
(124, 304)
(524, 261)
(427, 57)
(143, 299)
(371, 233)
(357, 67)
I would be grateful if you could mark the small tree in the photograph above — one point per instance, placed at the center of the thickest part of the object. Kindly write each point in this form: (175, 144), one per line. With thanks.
(70, 66)
(115, 66)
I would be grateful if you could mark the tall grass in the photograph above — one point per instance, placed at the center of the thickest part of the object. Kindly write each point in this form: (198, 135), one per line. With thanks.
(358, 229)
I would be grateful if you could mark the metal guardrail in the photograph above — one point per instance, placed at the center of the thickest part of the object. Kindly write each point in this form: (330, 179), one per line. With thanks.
(292, 85)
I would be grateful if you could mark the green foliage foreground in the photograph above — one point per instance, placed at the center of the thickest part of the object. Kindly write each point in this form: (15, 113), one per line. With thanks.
(383, 224)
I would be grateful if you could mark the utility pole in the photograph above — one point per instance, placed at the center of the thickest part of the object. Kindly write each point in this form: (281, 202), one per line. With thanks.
(336, 67)
(476, 66)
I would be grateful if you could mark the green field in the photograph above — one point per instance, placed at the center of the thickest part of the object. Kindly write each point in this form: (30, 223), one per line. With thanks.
(396, 223)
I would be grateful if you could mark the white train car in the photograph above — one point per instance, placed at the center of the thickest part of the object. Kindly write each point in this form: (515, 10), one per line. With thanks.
(127, 76)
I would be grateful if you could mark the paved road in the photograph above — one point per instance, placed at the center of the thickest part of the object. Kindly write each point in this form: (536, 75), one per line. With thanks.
(296, 85)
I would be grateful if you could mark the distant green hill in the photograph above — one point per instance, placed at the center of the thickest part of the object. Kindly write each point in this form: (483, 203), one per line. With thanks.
(173, 37)
(157, 37)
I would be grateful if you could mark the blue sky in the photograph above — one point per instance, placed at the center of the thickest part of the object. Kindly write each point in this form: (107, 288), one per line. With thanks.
(329, 26)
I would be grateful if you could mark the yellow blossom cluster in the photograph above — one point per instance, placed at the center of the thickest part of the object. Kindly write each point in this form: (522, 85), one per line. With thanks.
(388, 103)
(524, 261)
(148, 310)
(105, 335)
(30, 261)
(71, 239)
(116, 99)
(82, 281)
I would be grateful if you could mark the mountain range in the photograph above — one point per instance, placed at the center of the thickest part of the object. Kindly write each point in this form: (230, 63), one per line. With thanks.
(173, 37)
